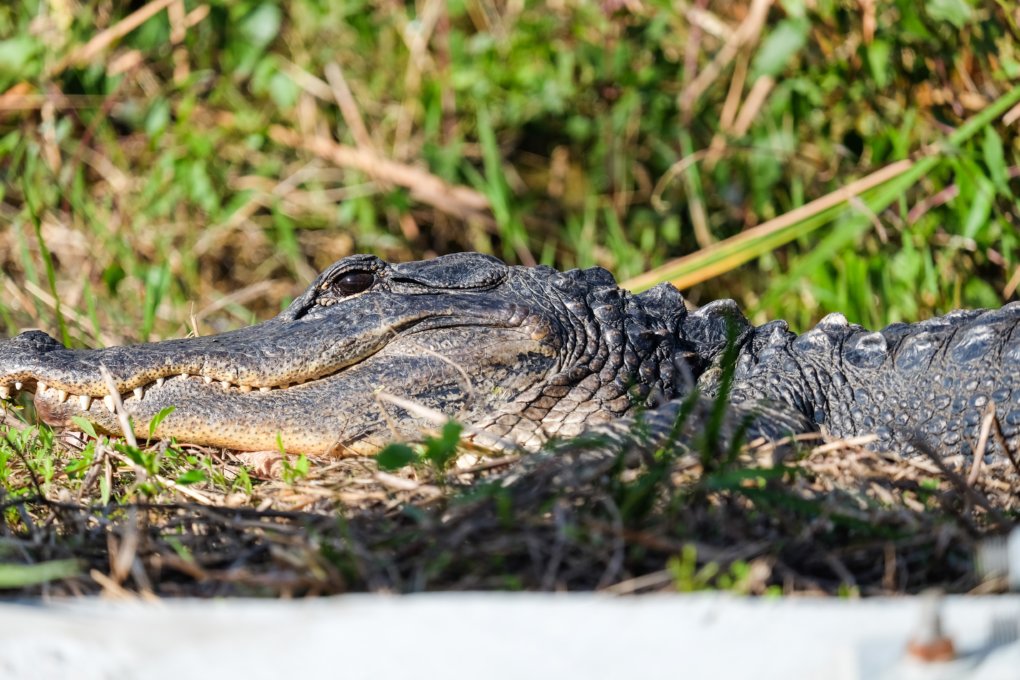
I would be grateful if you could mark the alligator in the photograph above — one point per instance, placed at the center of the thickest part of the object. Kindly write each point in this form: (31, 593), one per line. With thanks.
(371, 351)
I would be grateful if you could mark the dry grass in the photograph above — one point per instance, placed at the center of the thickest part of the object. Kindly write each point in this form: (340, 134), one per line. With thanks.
(835, 519)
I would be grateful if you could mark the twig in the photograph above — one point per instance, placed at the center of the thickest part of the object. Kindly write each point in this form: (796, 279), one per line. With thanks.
(456, 200)
(118, 406)
(747, 33)
(348, 107)
(100, 42)
(478, 435)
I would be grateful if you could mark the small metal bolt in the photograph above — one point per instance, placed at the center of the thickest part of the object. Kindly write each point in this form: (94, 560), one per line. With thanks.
(929, 643)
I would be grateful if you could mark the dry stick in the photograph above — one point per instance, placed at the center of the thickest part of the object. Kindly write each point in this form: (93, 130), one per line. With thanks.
(118, 406)
(748, 32)
(424, 186)
(830, 200)
(1001, 440)
(752, 104)
(1012, 284)
(104, 39)
(982, 445)
(11, 101)
(439, 418)
(961, 484)
(124, 555)
(348, 106)
(1012, 116)
(729, 111)
(129, 435)
(933, 201)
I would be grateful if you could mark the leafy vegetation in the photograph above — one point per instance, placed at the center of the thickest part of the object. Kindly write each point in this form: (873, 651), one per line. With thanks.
(186, 166)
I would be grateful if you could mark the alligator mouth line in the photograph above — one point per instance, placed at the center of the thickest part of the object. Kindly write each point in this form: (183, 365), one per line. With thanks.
(47, 391)
(42, 390)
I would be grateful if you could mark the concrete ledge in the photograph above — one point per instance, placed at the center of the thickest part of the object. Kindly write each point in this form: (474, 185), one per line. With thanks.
(502, 636)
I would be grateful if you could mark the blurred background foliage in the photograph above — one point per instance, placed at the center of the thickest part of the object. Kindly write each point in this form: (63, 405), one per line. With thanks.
(185, 166)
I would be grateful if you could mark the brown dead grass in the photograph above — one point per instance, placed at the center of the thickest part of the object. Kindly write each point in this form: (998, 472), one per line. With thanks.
(837, 519)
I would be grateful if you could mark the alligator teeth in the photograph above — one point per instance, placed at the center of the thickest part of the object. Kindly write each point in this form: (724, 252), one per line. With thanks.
(84, 401)
(185, 376)
(265, 389)
(108, 402)
(18, 385)
(61, 396)
(207, 379)
(5, 392)
(160, 381)
(245, 388)
(139, 392)
(225, 384)
(41, 386)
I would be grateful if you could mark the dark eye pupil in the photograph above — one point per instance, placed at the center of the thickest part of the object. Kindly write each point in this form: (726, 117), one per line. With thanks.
(355, 282)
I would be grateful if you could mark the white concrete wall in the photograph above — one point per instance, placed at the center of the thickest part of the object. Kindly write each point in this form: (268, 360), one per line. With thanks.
(481, 636)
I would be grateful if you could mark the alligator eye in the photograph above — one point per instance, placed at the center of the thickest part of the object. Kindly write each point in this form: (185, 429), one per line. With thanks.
(354, 282)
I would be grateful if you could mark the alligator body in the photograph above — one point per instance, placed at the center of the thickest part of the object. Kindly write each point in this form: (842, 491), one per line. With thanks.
(527, 354)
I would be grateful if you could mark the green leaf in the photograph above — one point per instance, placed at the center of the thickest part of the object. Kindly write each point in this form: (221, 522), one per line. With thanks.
(956, 12)
(879, 61)
(192, 477)
(16, 56)
(21, 575)
(85, 426)
(780, 46)
(158, 117)
(396, 456)
(995, 159)
(158, 418)
(262, 25)
(442, 449)
(283, 90)
(980, 207)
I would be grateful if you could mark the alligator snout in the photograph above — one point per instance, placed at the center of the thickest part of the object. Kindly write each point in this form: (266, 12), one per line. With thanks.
(21, 358)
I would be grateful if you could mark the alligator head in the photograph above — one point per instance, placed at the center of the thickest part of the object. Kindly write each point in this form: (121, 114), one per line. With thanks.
(523, 352)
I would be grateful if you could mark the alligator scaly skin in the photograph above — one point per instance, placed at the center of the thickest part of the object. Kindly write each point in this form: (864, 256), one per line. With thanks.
(522, 355)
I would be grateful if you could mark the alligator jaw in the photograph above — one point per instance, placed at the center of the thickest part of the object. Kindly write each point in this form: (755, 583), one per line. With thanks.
(308, 379)
(339, 414)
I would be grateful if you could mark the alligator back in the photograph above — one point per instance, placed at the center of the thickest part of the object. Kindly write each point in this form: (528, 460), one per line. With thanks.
(949, 384)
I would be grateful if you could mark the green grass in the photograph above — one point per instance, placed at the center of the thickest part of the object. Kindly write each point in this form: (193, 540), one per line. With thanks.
(184, 177)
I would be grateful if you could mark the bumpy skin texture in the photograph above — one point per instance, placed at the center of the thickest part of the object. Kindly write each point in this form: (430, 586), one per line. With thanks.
(522, 355)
